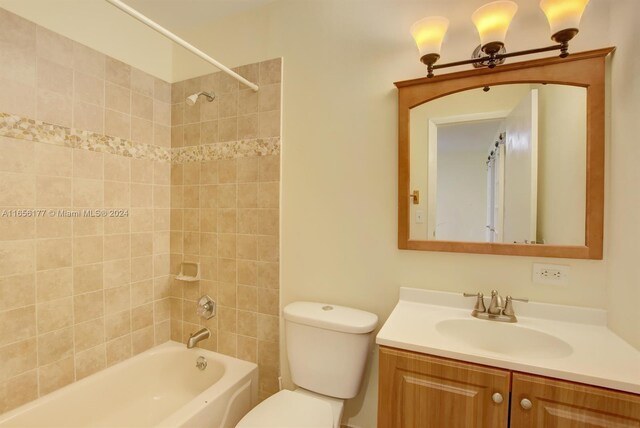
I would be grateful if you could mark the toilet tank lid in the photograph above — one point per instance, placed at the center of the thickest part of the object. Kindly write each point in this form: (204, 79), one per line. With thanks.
(331, 317)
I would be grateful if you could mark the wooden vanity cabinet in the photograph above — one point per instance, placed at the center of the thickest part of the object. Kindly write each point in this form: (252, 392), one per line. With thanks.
(419, 391)
(538, 402)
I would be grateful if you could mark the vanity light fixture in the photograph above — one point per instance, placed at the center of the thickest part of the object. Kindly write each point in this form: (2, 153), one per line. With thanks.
(492, 22)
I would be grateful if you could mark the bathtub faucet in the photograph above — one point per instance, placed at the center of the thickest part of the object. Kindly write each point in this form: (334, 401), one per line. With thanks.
(196, 337)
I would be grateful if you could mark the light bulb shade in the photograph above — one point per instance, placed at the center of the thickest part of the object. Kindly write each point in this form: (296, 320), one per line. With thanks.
(429, 33)
(563, 14)
(492, 21)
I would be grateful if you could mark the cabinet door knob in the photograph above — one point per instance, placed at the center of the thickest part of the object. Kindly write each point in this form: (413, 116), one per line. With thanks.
(497, 398)
(526, 404)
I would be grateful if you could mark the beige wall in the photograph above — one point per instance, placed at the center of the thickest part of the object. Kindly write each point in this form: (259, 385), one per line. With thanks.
(78, 294)
(225, 215)
(623, 198)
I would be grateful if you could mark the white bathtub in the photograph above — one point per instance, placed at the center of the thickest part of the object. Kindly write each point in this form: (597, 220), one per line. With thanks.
(161, 387)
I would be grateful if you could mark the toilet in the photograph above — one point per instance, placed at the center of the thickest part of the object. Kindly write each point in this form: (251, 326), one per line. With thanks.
(327, 349)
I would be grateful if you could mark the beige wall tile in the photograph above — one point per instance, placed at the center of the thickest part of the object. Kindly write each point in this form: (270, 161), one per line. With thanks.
(247, 323)
(117, 98)
(90, 361)
(177, 114)
(228, 129)
(191, 134)
(88, 117)
(268, 251)
(53, 253)
(141, 195)
(89, 61)
(161, 90)
(117, 247)
(87, 250)
(116, 194)
(142, 339)
(88, 306)
(141, 293)
(116, 168)
(53, 46)
(141, 171)
(17, 291)
(56, 375)
(12, 228)
(247, 247)
(269, 195)
(228, 104)
(16, 155)
(55, 78)
(19, 390)
(54, 315)
(248, 349)
(270, 71)
(55, 346)
(53, 191)
(209, 132)
(161, 310)
(177, 92)
(87, 164)
(269, 222)
(270, 124)
(141, 130)
(17, 257)
(227, 343)
(17, 98)
(118, 72)
(226, 83)
(142, 316)
(118, 350)
(87, 278)
(248, 219)
(209, 172)
(248, 126)
(269, 96)
(17, 190)
(162, 113)
(268, 328)
(117, 325)
(142, 106)
(141, 268)
(88, 334)
(116, 273)
(17, 324)
(54, 227)
(18, 53)
(117, 299)
(83, 226)
(162, 332)
(53, 160)
(248, 101)
(88, 89)
(161, 135)
(117, 124)
(247, 298)
(54, 284)
(191, 114)
(267, 301)
(142, 82)
(17, 358)
(247, 195)
(53, 107)
(88, 193)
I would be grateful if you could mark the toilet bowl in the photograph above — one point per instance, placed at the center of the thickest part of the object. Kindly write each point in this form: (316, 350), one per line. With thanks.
(327, 349)
(294, 409)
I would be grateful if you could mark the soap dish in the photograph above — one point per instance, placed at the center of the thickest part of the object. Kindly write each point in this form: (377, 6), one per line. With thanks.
(189, 272)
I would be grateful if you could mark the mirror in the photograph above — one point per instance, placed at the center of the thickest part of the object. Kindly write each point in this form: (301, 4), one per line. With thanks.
(506, 165)
(505, 161)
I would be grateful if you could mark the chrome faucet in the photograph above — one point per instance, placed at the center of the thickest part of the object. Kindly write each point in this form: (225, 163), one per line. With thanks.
(499, 309)
(198, 336)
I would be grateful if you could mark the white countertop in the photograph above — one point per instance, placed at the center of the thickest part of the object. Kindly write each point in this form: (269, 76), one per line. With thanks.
(599, 357)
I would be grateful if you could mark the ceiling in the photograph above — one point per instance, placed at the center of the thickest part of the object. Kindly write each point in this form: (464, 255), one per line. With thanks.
(184, 14)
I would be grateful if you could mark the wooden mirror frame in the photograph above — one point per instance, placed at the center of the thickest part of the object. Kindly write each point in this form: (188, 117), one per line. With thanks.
(585, 69)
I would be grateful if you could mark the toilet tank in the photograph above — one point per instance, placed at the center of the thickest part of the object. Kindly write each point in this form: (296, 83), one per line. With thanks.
(328, 346)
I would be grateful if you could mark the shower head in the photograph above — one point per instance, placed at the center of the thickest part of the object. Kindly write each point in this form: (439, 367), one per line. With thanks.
(191, 99)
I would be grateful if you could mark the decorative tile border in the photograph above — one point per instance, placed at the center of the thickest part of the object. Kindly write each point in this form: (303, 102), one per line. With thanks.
(14, 126)
(228, 150)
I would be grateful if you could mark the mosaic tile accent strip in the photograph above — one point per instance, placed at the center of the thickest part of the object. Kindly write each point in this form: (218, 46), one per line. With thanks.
(228, 150)
(35, 130)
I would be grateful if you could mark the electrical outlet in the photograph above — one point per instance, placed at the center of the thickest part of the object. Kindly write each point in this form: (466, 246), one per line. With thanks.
(551, 274)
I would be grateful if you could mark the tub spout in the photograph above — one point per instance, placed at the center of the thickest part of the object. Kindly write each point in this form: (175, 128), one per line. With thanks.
(196, 337)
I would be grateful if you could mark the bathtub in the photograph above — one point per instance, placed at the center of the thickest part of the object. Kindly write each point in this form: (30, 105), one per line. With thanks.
(161, 387)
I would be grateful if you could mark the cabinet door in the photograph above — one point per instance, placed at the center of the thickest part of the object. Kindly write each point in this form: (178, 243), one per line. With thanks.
(560, 404)
(418, 391)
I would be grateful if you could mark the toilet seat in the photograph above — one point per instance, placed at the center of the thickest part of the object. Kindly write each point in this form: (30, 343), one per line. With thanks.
(289, 409)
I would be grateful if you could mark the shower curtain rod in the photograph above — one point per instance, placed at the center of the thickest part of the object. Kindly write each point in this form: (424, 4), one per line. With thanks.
(160, 29)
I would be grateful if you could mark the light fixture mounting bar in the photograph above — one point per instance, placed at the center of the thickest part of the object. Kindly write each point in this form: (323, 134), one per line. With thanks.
(492, 59)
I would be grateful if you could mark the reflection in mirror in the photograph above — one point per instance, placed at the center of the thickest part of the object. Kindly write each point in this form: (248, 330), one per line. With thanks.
(506, 165)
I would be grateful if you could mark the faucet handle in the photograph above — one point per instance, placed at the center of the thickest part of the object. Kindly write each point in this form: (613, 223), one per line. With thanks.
(508, 306)
(479, 306)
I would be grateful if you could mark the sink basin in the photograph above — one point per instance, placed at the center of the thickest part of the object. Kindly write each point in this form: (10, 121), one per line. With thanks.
(507, 339)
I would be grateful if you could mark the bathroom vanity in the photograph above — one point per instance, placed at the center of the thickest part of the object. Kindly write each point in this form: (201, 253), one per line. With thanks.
(558, 366)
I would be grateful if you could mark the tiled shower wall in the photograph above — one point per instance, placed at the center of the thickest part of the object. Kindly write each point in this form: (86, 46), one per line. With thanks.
(78, 130)
(225, 213)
